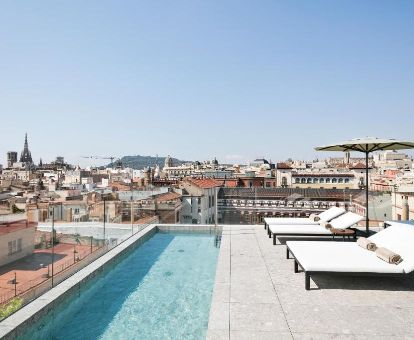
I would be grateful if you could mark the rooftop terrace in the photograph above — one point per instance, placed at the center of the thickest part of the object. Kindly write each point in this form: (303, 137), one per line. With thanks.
(258, 295)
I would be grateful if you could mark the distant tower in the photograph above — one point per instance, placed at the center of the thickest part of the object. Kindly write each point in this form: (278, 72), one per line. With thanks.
(41, 163)
(347, 157)
(214, 163)
(168, 162)
(11, 158)
(26, 156)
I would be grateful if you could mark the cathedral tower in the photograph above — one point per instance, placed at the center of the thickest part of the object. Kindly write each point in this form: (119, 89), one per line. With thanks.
(26, 156)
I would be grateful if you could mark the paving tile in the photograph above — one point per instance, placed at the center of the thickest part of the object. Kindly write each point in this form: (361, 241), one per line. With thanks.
(214, 334)
(221, 292)
(292, 294)
(311, 319)
(219, 316)
(249, 335)
(253, 294)
(257, 317)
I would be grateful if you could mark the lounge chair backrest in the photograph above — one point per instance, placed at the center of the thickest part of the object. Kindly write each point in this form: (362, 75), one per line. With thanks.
(346, 220)
(400, 239)
(331, 213)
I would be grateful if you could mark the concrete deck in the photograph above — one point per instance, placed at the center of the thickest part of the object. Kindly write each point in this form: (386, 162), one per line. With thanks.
(258, 295)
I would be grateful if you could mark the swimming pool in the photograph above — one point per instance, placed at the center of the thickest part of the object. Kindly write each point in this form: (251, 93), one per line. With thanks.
(162, 290)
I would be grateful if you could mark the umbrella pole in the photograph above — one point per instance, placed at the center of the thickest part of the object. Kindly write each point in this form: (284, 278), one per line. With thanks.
(366, 193)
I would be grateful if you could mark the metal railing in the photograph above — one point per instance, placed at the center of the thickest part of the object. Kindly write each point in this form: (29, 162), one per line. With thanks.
(16, 285)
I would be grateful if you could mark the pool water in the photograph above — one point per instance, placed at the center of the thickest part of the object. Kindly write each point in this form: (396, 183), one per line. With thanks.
(162, 290)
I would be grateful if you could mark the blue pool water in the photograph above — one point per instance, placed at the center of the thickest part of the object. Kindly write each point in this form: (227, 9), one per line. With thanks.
(162, 290)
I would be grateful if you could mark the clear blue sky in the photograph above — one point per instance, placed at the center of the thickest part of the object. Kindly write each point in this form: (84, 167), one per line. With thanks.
(198, 79)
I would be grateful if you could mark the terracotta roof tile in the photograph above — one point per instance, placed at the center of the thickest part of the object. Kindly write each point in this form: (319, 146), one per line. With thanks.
(168, 196)
(205, 183)
(283, 166)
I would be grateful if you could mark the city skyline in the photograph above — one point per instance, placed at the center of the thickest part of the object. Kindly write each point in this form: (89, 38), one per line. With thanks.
(87, 160)
(200, 80)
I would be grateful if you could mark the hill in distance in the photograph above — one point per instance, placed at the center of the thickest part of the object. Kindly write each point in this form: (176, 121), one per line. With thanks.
(140, 162)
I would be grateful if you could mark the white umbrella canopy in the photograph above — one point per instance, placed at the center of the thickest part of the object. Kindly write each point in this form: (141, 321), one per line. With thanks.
(367, 145)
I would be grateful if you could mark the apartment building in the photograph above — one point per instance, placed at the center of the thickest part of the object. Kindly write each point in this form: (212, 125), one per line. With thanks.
(198, 200)
(16, 238)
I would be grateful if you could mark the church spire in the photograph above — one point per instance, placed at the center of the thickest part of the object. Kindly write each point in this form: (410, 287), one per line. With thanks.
(26, 156)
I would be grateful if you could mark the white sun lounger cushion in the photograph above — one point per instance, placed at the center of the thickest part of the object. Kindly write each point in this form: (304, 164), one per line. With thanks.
(398, 238)
(345, 257)
(331, 213)
(324, 217)
(346, 220)
(299, 229)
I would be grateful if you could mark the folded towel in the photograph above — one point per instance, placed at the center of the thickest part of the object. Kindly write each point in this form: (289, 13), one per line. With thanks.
(314, 218)
(325, 224)
(388, 256)
(366, 244)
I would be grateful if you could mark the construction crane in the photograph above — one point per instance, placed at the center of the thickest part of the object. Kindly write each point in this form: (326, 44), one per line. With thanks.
(99, 157)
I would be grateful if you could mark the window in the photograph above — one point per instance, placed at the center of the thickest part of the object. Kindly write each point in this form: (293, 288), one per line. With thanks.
(309, 180)
(334, 180)
(315, 180)
(341, 180)
(303, 180)
(322, 180)
(76, 210)
(346, 180)
(328, 180)
(15, 246)
(297, 180)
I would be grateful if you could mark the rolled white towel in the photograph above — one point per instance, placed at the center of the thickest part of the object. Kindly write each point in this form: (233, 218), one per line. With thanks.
(388, 255)
(366, 244)
(314, 218)
(326, 225)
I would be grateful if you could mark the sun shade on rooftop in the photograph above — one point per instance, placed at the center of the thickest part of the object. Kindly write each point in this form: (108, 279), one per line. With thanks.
(368, 144)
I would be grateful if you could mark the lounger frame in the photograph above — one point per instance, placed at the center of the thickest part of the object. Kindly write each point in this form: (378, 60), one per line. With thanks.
(308, 274)
(305, 234)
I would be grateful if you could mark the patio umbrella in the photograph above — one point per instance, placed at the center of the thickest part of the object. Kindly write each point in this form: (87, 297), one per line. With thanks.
(367, 145)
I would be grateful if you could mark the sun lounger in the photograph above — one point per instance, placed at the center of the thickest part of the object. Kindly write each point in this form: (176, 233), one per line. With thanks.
(325, 216)
(342, 222)
(316, 257)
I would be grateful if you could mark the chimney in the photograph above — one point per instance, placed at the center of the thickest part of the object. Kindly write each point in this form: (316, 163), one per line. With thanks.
(69, 215)
(405, 210)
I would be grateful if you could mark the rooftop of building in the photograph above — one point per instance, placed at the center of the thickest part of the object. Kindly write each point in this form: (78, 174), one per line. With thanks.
(204, 183)
(167, 197)
(323, 174)
(258, 295)
(285, 192)
(12, 227)
(283, 166)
